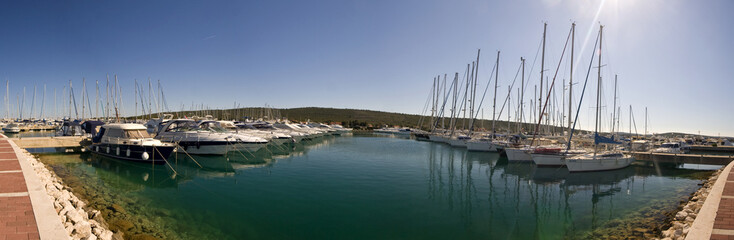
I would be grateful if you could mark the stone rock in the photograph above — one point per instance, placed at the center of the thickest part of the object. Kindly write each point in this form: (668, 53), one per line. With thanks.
(107, 235)
(678, 225)
(678, 233)
(118, 236)
(689, 219)
(92, 214)
(681, 215)
(74, 216)
(97, 231)
(101, 221)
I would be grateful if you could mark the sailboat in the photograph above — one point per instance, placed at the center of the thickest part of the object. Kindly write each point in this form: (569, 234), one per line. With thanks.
(599, 161)
(555, 156)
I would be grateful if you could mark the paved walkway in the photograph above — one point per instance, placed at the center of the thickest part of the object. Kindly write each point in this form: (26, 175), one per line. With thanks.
(17, 220)
(724, 222)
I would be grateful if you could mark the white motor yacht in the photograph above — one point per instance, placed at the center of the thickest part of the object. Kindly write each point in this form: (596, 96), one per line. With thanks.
(195, 140)
(11, 128)
(671, 147)
(131, 142)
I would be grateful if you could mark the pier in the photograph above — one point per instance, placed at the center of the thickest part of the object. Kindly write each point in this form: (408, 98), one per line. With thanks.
(50, 142)
(683, 158)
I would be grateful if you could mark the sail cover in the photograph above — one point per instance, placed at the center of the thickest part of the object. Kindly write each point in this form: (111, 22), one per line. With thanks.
(601, 139)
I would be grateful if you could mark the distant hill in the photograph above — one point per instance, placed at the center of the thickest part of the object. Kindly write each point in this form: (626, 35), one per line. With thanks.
(354, 118)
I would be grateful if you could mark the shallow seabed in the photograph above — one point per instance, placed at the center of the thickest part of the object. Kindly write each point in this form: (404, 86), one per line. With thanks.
(372, 187)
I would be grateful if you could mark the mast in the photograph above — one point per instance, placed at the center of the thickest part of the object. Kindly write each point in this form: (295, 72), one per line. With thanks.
(494, 104)
(43, 101)
(542, 69)
(7, 98)
(433, 100)
(107, 96)
(522, 92)
(136, 100)
(96, 100)
(84, 94)
(614, 110)
(443, 119)
(598, 92)
(22, 104)
(160, 99)
(471, 102)
(150, 96)
(56, 105)
(645, 122)
(33, 101)
(570, 82)
(71, 90)
(452, 123)
(466, 97)
(474, 93)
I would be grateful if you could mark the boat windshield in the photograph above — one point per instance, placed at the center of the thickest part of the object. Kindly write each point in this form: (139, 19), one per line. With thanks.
(137, 134)
(182, 126)
(212, 126)
(669, 145)
(263, 126)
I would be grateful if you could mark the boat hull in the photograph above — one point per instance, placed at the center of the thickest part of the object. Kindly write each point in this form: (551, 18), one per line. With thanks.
(157, 154)
(457, 142)
(219, 148)
(518, 155)
(549, 160)
(481, 146)
(11, 130)
(586, 164)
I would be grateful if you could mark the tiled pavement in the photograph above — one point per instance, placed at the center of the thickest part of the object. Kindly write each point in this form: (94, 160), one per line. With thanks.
(17, 220)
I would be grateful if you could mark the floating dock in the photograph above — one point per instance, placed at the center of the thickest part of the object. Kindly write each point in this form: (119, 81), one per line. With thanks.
(683, 158)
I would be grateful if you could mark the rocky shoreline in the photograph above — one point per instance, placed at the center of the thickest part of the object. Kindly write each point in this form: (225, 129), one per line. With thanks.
(80, 222)
(684, 218)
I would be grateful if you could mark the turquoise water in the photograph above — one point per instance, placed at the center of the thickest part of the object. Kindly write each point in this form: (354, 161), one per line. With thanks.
(368, 187)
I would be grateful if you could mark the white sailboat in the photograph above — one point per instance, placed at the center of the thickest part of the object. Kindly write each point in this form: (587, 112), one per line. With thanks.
(596, 161)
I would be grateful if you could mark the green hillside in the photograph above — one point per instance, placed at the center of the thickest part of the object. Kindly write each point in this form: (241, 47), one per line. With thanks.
(354, 118)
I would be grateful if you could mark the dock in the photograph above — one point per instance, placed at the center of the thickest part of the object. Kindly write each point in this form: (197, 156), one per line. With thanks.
(702, 148)
(50, 142)
(683, 158)
(37, 128)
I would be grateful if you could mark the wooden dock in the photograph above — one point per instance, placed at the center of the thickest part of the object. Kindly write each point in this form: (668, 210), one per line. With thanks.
(683, 158)
(50, 142)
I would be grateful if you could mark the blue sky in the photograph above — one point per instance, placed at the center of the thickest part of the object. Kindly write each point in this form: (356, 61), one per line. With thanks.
(671, 56)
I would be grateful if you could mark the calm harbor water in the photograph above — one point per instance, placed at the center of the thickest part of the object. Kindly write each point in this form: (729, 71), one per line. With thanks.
(372, 187)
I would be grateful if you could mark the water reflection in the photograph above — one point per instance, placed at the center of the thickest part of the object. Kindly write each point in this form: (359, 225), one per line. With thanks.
(522, 201)
(182, 167)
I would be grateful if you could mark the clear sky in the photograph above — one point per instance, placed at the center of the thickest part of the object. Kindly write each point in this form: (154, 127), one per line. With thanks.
(671, 56)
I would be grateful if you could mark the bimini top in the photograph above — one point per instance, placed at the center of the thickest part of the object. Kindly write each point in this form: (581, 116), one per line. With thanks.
(125, 126)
